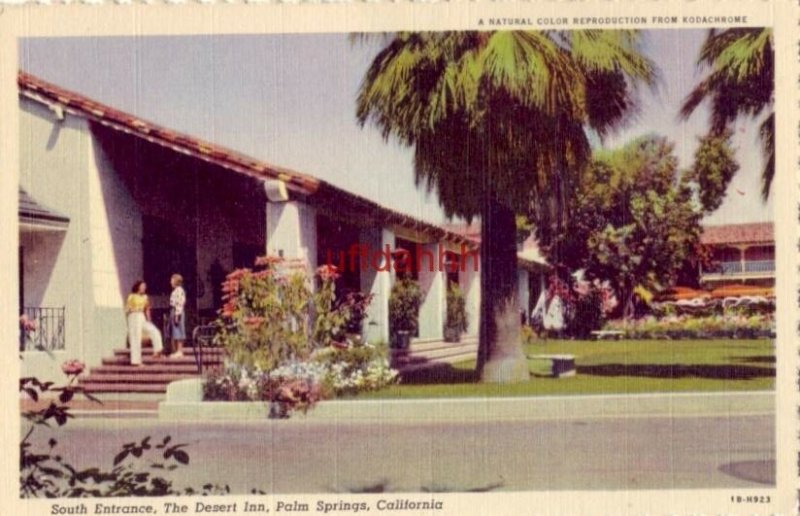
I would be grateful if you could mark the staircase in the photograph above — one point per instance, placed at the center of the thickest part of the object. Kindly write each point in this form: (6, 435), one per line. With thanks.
(423, 355)
(117, 377)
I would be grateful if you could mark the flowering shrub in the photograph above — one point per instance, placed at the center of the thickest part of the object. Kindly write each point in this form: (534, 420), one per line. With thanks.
(267, 318)
(286, 388)
(298, 385)
(586, 304)
(287, 346)
(329, 320)
(684, 326)
(355, 368)
(356, 304)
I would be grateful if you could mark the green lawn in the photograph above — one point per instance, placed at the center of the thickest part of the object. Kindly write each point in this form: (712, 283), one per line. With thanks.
(607, 367)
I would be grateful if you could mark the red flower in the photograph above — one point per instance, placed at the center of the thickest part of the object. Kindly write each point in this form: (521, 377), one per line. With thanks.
(73, 367)
(328, 272)
(228, 309)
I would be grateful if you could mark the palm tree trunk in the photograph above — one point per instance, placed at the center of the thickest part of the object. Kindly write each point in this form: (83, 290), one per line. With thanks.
(500, 356)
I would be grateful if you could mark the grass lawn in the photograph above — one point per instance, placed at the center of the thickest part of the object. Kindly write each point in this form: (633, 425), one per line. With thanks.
(614, 367)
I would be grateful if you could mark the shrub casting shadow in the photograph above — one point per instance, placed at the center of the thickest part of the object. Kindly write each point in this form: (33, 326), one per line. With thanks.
(709, 371)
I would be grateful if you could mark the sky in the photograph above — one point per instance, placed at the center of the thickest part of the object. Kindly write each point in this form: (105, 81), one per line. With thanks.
(289, 100)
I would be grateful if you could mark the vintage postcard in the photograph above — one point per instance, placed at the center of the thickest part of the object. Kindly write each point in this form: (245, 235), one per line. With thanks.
(415, 259)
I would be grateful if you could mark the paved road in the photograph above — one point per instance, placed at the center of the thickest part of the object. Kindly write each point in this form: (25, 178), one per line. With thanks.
(308, 457)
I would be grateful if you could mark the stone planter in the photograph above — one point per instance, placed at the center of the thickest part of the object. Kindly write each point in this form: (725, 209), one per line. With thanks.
(555, 366)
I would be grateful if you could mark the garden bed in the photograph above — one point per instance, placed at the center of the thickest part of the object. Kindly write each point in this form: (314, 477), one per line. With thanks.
(674, 327)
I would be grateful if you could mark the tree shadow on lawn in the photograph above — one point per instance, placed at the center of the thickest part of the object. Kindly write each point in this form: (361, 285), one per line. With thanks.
(708, 371)
(447, 374)
(763, 359)
(439, 374)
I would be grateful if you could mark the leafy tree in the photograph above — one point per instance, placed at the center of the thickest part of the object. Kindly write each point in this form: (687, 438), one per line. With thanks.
(497, 122)
(634, 222)
(740, 83)
(714, 167)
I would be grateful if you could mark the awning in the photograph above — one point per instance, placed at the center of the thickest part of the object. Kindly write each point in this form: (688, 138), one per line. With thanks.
(35, 216)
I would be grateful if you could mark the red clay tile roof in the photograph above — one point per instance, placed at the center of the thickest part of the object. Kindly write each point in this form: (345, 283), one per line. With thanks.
(754, 233)
(318, 192)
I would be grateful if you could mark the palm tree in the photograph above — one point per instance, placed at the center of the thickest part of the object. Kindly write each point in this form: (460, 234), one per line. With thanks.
(497, 120)
(741, 82)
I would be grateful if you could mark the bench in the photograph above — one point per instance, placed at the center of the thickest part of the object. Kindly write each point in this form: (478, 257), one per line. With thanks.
(557, 366)
(607, 334)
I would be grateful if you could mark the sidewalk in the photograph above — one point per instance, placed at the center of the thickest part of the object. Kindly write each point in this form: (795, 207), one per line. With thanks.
(184, 403)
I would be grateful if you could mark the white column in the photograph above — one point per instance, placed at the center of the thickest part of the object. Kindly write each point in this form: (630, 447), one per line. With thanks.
(432, 283)
(470, 281)
(292, 232)
(111, 223)
(377, 278)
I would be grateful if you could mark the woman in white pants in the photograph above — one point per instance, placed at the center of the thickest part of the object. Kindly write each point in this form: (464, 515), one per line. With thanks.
(137, 308)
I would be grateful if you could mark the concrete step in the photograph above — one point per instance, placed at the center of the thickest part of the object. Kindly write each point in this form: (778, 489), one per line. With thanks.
(93, 387)
(187, 351)
(456, 349)
(149, 369)
(149, 360)
(425, 347)
(135, 378)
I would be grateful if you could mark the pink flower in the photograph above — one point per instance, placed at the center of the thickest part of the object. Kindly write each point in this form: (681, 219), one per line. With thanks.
(262, 274)
(26, 324)
(237, 274)
(73, 367)
(268, 260)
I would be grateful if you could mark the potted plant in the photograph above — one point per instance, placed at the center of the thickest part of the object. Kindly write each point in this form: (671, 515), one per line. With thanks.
(404, 303)
(356, 304)
(456, 321)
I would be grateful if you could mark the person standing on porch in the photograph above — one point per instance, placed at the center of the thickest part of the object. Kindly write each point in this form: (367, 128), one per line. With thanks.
(137, 308)
(177, 315)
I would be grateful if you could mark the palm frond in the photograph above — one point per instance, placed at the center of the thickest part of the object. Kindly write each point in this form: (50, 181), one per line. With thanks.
(500, 114)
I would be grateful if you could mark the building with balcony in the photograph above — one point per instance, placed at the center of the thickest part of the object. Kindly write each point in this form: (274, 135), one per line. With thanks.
(740, 254)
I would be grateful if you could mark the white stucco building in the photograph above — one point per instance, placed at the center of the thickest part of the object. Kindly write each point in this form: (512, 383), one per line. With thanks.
(107, 198)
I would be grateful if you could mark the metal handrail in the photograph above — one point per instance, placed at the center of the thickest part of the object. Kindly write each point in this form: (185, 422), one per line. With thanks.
(44, 329)
(202, 336)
